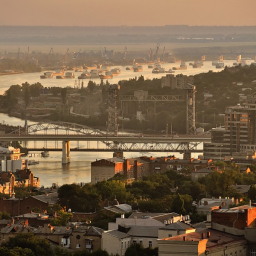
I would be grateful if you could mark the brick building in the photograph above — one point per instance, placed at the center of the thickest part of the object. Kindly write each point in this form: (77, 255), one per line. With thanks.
(15, 206)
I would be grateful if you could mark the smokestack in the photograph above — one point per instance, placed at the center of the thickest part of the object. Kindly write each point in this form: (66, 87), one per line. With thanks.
(184, 238)
(208, 234)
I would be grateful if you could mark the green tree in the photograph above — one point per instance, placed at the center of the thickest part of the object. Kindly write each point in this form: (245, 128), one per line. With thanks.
(91, 86)
(26, 96)
(29, 242)
(252, 193)
(62, 218)
(178, 205)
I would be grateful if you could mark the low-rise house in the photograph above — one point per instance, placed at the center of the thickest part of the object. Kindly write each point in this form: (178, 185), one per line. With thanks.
(115, 242)
(147, 220)
(86, 238)
(207, 205)
(145, 236)
(15, 206)
(203, 242)
(201, 173)
(34, 219)
(242, 189)
(175, 229)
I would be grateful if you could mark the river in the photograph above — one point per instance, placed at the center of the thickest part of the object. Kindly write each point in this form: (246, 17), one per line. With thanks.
(50, 170)
(7, 80)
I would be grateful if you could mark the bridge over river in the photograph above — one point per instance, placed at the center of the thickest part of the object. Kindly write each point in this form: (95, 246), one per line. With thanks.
(67, 132)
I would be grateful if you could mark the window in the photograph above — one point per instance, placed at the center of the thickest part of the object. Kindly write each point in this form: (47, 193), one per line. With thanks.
(78, 237)
(170, 235)
(134, 242)
(253, 252)
(141, 242)
(150, 244)
(78, 246)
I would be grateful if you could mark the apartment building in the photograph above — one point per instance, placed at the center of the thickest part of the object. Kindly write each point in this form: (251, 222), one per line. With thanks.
(239, 134)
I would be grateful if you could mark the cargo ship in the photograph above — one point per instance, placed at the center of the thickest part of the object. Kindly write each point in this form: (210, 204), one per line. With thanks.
(67, 75)
(84, 75)
(138, 69)
(115, 71)
(107, 75)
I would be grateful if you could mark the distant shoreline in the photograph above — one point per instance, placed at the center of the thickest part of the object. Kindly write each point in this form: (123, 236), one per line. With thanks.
(11, 73)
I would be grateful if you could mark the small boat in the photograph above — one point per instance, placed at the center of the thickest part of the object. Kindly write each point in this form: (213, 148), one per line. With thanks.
(45, 153)
(155, 70)
(157, 65)
(183, 65)
(128, 68)
(107, 75)
(161, 70)
(94, 73)
(84, 75)
(115, 71)
(220, 65)
(33, 162)
(137, 69)
(170, 71)
(67, 75)
(47, 74)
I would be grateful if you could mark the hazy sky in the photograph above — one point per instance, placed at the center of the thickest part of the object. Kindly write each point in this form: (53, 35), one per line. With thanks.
(127, 12)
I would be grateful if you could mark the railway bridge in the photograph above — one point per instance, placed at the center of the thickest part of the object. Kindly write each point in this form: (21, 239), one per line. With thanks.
(125, 142)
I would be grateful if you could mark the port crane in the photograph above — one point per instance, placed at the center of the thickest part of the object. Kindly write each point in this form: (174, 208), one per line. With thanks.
(50, 53)
(150, 53)
(76, 54)
(125, 52)
(163, 54)
(18, 55)
(156, 52)
(28, 54)
(65, 57)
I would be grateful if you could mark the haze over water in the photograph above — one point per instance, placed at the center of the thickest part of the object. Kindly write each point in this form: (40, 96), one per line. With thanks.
(8, 80)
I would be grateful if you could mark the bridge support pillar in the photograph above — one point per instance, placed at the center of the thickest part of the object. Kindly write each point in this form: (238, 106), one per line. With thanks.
(65, 152)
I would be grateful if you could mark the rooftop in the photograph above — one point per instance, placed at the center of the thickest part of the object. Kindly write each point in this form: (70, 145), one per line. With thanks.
(215, 239)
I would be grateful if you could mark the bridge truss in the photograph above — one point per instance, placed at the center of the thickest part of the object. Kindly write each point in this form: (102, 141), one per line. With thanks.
(189, 98)
(98, 140)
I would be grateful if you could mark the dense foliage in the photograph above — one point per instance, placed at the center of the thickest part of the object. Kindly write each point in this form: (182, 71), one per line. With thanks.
(18, 65)
(163, 192)
(29, 245)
